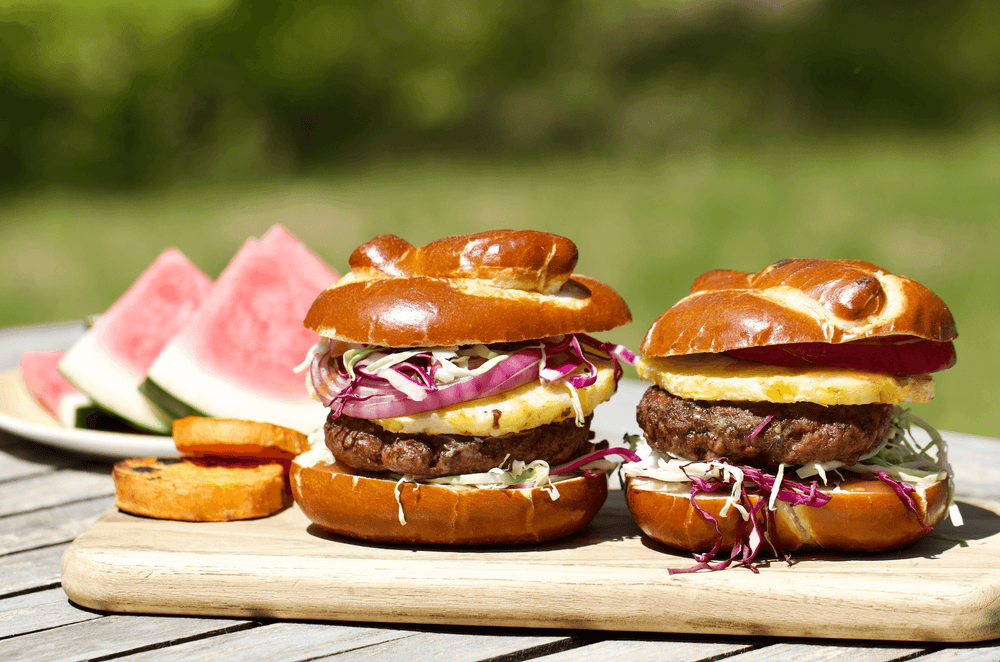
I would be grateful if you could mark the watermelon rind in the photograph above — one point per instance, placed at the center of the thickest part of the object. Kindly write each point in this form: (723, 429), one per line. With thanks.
(73, 409)
(220, 397)
(167, 402)
(109, 362)
(90, 368)
(59, 398)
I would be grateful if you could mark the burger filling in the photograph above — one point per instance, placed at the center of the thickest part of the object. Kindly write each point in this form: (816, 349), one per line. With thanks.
(463, 413)
(782, 434)
(367, 446)
(761, 434)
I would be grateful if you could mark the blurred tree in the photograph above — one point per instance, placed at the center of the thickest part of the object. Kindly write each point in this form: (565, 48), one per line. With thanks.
(120, 92)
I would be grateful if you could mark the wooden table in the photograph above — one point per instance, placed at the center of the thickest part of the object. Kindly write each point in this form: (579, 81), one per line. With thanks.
(48, 497)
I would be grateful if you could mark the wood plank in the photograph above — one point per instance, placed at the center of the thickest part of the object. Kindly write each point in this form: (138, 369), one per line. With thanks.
(50, 526)
(111, 635)
(44, 491)
(33, 569)
(983, 653)
(828, 652)
(275, 642)
(453, 647)
(936, 590)
(637, 649)
(20, 458)
(39, 610)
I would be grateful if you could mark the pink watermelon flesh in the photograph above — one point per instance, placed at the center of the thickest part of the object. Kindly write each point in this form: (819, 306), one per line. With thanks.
(242, 345)
(41, 376)
(252, 332)
(40, 373)
(110, 361)
(138, 326)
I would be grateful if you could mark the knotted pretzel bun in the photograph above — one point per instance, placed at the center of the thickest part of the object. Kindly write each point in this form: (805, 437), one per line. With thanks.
(498, 286)
(864, 514)
(798, 301)
(795, 303)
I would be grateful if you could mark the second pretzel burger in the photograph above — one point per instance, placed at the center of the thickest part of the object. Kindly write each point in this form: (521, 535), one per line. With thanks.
(773, 421)
(461, 385)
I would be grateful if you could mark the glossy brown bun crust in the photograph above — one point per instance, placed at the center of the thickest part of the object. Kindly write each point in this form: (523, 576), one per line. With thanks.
(367, 508)
(500, 286)
(867, 517)
(797, 301)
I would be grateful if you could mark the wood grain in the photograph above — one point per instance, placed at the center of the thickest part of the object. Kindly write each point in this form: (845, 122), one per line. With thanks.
(49, 526)
(39, 610)
(275, 642)
(41, 491)
(282, 567)
(839, 652)
(31, 570)
(110, 636)
(647, 650)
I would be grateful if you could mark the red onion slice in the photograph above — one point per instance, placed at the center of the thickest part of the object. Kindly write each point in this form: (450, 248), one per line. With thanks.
(384, 383)
(381, 402)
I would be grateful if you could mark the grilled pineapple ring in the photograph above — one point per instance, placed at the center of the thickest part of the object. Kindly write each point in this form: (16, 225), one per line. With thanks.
(523, 408)
(718, 377)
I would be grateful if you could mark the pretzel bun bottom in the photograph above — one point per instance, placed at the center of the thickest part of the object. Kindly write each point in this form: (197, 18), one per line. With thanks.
(864, 515)
(367, 508)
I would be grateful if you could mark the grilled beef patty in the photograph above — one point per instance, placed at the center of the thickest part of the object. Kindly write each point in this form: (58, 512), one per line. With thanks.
(362, 444)
(799, 433)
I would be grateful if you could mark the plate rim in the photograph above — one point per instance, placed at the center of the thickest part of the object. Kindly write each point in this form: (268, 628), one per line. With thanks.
(116, 445)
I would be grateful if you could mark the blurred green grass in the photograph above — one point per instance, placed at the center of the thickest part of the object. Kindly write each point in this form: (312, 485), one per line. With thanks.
(925, 207)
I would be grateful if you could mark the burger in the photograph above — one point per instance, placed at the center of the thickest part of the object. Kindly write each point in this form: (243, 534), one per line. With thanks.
(774, 421)
(461, 380)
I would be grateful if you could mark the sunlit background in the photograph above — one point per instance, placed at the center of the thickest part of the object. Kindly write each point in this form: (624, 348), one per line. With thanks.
(665, 137)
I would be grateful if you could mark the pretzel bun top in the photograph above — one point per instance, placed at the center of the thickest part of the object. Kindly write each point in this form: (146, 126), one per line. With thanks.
(798, 301)
(498, 286)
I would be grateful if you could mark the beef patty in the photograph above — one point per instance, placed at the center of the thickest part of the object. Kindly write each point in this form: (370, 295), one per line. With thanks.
(364, 445)
(799, 433)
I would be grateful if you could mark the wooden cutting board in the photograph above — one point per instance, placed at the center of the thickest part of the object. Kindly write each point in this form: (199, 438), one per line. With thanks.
(607, 577)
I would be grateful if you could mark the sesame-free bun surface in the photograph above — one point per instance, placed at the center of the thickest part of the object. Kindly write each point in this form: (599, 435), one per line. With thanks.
(798, 301)
(499, 286)
(367, 508)
(864, 515)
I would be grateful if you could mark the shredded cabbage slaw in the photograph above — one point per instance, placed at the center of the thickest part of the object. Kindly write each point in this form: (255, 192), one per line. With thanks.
(899, 460)
(371, 382)
(529, 475)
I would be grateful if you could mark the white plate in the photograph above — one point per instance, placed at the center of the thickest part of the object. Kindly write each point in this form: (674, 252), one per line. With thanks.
(21, 415)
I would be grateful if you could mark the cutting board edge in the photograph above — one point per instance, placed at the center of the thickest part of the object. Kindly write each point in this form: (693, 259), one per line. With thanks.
(90, 575)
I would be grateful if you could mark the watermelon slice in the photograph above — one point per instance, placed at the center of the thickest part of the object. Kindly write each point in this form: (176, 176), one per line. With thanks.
(40, 373)
(235, 357)
(72, 409)
(110, 361)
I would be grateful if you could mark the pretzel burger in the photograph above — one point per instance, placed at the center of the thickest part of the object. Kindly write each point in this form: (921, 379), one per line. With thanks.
(774, 422)
(461, 384)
